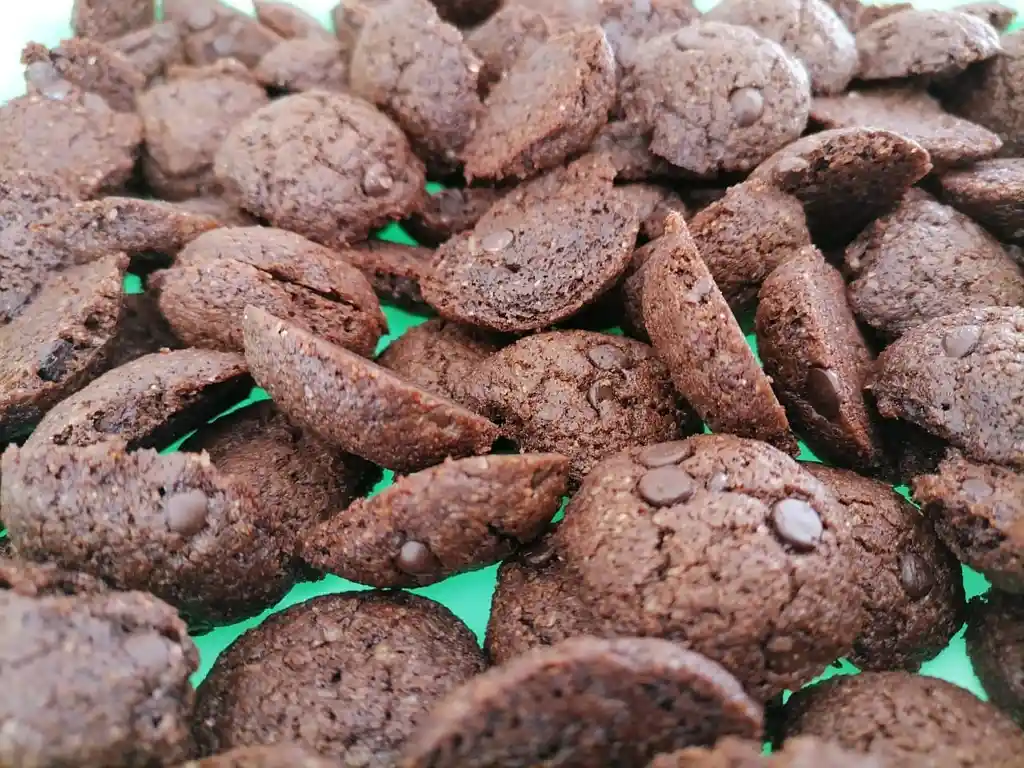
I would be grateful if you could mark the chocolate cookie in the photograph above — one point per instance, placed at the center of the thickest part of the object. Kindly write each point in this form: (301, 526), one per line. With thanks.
(350, 16)
(629, 25)
(539, 255)
(106, 19)
(288, 21)
(846, 177)
(394, 270)
(819, 361)
(903, 718)
(152, 50)
(101, 679)
(449, 212)
(978, 510)
(995, 645)
(584, 395)
(355, 404)
(304, 64)
(799, 752)
(187, 118)
(694, 332)
(915, 42)
(59, 343)
(549, 106)
(515, 31)
(280, 755)
(913, 114)
(349, 676)
(86, 64)
(992, 193)
(1000, 16)
(725, 545)
(756, 101)
(204, 295)
(328, 166)
(654, 204)
(213, 30)
(810, 30)
(585, 702)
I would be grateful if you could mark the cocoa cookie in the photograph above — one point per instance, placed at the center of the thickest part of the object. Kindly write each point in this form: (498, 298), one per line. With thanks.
(926, 260)
(932, 43)
(549, 106)
(328, 166)
(458, 516)
(654, 204)
(107, 19)
(186, 120)
(143, 331)
(588, 702)
(1000, 16)
(213, 30)
(584, 395)
(992, 193)
(152, 50)
(539, 255)
(304, 64)
(755, 103)
(846, 177)
(725, 545)
(218, 208)
(978, 510)
(629, 25)
(350, 16)
(995, 645)
(59, 343)
(394, 270)
(818, 360)
(903, 717)
(515, 31)
(810, 30)
(288, 21)
(355, 404)
(348, 676)
(949, 140)
(799, 752)
(706, 353)
(449, 212)
(86, 64)
(56, 650)
(205, 293)
(278, 756)
(628, 147)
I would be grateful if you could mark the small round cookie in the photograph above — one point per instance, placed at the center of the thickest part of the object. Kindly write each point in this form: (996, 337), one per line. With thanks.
(515, 31)
(582, 394)
(585, 702)
(330, 167)
(995, 645)
(903, 718)
(355, 404)
(205, 293)
(926, 260)
(213, 30)
(540, 254)
(280, 755)
(992, 193)
(818, 361)
(810, 30)
(755, 101)
(456, 517)
(549, 106)
(932, 43)
(104, 19)
(799, 752)
(449, 212)
(304, 64)
(289, 21)
(86, 64)
(654, 204)
(153, 49)
(695, 333)
(913, 587)
(394, 270)
(724, 544)
(349, 676)
(978, 510)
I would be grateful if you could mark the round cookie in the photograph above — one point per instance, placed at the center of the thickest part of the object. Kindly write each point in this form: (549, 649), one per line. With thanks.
(800, 752)
(448, 212)
(755, 102)
(513, 32)
(213, 30)
(280, 755)
(725, 545)
(539, 255)
(456, 517)
(582, 702)
(548, 106)
(304, 64)
(330, 167)
(86, 64)
(995, 645)
(289, 21)
(394, 270)
(584, 395)
(992, 193)
(355, 404)
(153, 49)
(348, 676)
(104, 19)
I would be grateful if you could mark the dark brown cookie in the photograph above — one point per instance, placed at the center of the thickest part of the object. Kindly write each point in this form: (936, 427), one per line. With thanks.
(394, 270)
(304, 64)
(213, 30)
(549, 106)
(818, 361)
(205, 293)
(706, 353)
(926, 42)
(281, 755)
(755, 102)
(992, 193)
(926, 260)
(539, 255)
(903, 718)
(810, 30)
(107, 19)
(355, 404)
(328, 166)
(152, 50)
(288, 21)
(1000, 16)
(349, 676)
(995, 645)
(86, 64)
(59, 343)
(449, 212)
(724, 544)
(515, 31)
(654, 204)
(584, 395)
(799, 752)
(978, 510)
(585, 702)
(846, 177)
(186, 120)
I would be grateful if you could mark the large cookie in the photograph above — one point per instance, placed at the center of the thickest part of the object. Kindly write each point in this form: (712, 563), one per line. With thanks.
(995, 645)
(214, 30)
(992, 193)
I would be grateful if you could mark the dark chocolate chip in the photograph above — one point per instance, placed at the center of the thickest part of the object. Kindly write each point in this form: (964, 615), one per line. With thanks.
(797, 523)
(53, 363)
(665, 486)
(662, 454)
(600, 392)
(823, 391)
(497, 241)
(976, 488)
(915, 576)
(186, 512)
(416, 558)
(960, 341)
(608, 357)
(747, 106)
(377, 180)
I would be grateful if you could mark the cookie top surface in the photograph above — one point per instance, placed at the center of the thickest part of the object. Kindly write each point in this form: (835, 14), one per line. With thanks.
(304, 64)
(995, 645)
(213, 30)
(86, 64)
(992, 193)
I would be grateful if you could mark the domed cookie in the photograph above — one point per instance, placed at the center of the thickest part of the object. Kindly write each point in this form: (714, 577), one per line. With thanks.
(995, 645)
(104, 19)
(725, 545)
(304, 64)
(289, 21)
(992, 193)
(153, 49)
(394, 270)
(513, 32)
(281, 755)
(86, 64)
(214, 30)
(448, 212)
(585, 702)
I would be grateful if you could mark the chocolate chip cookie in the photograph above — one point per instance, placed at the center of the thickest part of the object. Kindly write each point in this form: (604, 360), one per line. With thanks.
(106, 19)
(394, 270)
(213, 30)
(995, 645)
(449, 212)
(992, 193)
(515, 31)
(152, 50)
(304, 64)
(86, 64)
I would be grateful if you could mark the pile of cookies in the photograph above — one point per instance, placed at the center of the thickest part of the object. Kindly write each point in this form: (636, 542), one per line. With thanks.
(629, 193)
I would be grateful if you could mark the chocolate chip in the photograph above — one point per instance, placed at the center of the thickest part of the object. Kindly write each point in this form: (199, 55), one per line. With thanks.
(415, 558)
(699, 291)
(961, 341)
(662, 454)
(600, 392)
(823, 391)
(497, 241)
(53, 363)
(975, 488)
(665, 486)
(377, 180)
(747, 106)
(915, 576)
(797, 523)
(608, 357)
(186, 512)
